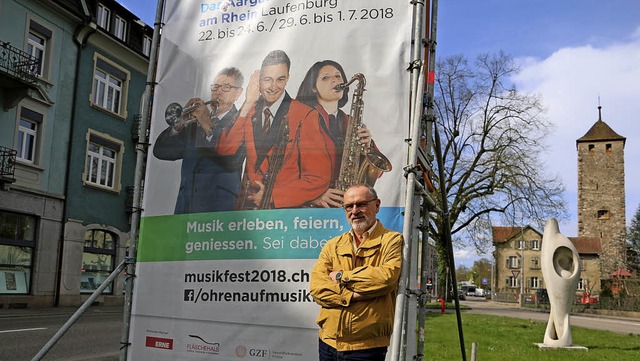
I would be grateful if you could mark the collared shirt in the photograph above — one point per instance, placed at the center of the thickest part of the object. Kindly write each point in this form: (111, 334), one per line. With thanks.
(365, 235)
(274, 107)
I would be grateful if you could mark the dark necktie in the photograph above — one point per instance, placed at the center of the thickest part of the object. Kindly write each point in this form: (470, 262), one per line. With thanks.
(267, 121)
(334, 127)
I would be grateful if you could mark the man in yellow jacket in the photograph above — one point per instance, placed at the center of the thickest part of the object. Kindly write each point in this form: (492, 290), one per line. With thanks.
(355, 282)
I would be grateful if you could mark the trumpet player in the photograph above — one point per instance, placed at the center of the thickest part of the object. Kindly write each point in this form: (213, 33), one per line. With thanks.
(209, 181)
(270, 121)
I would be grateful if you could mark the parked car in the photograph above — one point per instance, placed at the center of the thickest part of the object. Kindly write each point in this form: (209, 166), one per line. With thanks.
(479, 292)
(461, 295)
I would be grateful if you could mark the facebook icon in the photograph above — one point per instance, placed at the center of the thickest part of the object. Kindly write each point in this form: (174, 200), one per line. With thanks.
(188, 295)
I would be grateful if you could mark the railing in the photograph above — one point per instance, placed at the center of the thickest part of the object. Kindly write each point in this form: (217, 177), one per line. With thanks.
(7, 163)
(18, 63)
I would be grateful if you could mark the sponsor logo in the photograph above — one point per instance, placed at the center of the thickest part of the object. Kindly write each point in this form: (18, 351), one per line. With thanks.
(241, 351)
(159, 342)
(204, 346)
(256, 352)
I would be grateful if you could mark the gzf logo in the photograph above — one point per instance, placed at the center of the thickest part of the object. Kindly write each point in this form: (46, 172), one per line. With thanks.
(258, 352)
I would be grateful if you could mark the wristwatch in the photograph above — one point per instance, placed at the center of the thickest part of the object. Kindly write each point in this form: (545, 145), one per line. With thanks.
(339, 276)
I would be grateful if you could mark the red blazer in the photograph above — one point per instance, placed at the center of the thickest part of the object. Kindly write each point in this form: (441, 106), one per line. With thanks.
(334, 146)
(306, 171)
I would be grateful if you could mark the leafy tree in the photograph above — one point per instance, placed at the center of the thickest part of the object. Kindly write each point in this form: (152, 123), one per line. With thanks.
(462, 273)
(633, 241)
(481, 269)
(492, 137)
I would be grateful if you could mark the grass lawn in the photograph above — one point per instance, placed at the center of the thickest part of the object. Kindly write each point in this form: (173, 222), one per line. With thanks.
(512, 339)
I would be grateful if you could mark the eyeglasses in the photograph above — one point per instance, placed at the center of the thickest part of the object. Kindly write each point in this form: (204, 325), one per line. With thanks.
(225, 87)
(358, 205)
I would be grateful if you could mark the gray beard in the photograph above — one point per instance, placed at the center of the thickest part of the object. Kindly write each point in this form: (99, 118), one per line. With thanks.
(360, 227)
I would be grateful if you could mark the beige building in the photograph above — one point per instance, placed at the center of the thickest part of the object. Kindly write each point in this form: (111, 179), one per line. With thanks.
(517, 258)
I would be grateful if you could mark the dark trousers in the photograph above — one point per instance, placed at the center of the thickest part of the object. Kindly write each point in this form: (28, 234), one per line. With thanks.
(328, 353)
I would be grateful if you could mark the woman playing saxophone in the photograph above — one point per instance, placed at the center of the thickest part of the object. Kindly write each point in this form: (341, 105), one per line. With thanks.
(324, 89)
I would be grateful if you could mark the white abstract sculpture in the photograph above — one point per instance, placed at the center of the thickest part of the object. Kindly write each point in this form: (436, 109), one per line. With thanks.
(561, 270)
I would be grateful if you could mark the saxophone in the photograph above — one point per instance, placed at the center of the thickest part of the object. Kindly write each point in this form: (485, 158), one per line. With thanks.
(359, 165)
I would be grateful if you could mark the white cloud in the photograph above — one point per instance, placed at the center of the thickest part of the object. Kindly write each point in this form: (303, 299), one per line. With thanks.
(465, 256)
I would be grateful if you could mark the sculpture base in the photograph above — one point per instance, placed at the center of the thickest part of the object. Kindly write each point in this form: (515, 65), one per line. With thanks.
(543, 346)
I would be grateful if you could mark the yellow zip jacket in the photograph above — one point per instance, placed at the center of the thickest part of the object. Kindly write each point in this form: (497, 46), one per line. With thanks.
(373, 272)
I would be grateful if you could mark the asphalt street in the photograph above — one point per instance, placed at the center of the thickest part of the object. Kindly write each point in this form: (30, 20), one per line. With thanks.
(619, 324)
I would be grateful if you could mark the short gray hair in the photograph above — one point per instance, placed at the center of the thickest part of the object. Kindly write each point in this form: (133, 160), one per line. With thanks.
(233, 72)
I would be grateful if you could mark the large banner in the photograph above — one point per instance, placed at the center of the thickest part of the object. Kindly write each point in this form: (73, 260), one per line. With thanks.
(254, 110)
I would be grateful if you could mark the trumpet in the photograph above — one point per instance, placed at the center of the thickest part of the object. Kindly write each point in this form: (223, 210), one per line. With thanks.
(175, 113)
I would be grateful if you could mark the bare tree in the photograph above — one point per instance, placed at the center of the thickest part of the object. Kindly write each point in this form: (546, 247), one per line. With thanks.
(492, 137)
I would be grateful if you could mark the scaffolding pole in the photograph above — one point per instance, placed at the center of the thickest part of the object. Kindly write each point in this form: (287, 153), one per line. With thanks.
(429, 204)
(76, 315)
(141, 157)
(397, 348)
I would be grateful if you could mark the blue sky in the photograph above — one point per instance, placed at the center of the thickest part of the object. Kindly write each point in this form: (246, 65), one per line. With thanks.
(571, 52)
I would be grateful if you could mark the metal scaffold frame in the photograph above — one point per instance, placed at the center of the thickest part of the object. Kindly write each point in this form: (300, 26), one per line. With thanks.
(418, 201)
(412, 293)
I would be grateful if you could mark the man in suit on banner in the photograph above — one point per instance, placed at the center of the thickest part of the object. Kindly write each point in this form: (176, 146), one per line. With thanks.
(287, 161)
(209, 181)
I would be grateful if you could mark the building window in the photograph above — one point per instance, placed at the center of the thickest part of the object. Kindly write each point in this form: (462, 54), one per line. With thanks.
(534, 282)
(103, 16)
(535, 263)
(120, 28)
(109, 87)
(513, 262)
(521, 244)
(36, 46)
(512, 282)
(17, 242)
(603, 214)
(97, 260)
(608, 147)
(581, 285)
(591, 147)
(146, 45)
(27, 142)
(104, 158)
(535, 244)
(38, 40)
